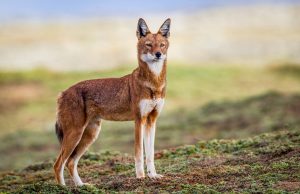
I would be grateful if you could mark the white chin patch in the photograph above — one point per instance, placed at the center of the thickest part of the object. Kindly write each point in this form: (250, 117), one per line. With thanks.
(155, 65)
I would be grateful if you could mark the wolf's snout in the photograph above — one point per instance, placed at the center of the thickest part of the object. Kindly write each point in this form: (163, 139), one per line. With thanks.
(158, 54)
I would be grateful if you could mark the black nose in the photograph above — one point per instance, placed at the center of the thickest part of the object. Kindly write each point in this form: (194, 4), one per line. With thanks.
(157, 54)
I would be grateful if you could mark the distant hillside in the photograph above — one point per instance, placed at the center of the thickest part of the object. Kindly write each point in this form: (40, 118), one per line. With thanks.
(242, 35)
(269, 163)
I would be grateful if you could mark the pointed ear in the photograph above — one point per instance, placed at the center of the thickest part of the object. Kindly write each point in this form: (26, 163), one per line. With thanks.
(142, 29)
(165, 28)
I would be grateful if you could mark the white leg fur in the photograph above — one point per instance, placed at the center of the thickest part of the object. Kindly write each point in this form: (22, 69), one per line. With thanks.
(147, 143)
(149, 139)
(139, 160)
(61, 173)
(76, 177)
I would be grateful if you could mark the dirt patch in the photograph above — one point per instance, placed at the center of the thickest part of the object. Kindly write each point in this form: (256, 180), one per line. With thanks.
(288, 186)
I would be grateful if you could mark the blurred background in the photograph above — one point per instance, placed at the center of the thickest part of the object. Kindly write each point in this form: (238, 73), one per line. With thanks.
(233, 69)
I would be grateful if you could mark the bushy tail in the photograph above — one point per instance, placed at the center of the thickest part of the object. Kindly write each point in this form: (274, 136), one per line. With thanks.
(59, 132)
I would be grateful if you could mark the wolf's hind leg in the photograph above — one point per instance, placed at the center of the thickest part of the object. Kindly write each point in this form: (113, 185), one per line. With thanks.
(68, 145)
(90, 134)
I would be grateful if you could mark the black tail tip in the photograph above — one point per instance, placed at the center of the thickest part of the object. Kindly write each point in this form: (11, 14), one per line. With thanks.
(59, 132)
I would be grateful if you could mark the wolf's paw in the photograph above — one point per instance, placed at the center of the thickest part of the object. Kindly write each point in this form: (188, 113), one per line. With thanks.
(84, 184)
(155, 176)
(140, 177)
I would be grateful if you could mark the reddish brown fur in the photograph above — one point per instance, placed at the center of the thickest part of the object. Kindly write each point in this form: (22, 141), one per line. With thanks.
(83, 105)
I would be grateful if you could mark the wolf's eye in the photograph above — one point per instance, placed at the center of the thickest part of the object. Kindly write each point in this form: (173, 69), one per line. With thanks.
(149, 45)
(162, 45)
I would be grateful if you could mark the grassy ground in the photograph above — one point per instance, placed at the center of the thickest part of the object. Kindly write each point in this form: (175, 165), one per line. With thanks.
(268, 163)
(202, 103)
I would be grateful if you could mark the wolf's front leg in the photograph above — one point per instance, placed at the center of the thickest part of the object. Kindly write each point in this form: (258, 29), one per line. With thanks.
(149, 138)
(138, 146)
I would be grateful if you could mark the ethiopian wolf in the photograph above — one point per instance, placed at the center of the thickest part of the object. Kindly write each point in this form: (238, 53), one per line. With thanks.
(138, 96)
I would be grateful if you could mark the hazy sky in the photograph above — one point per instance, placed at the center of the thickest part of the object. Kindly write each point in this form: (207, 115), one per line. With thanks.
(45, 9)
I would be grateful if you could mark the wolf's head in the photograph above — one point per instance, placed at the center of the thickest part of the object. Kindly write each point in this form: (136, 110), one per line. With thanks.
(153, 47)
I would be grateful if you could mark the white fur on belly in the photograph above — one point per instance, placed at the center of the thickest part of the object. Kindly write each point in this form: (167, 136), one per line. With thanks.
(147, 105)
(155, 66)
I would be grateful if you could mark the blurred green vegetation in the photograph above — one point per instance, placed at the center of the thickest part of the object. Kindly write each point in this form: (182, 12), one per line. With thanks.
(287, 70)
(203, 102)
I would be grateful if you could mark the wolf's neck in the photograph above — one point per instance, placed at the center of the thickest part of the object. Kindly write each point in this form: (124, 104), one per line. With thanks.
(156, 67)
(153, 71)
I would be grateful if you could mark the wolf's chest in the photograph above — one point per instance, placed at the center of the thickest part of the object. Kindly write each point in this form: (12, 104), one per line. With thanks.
(148, 105)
